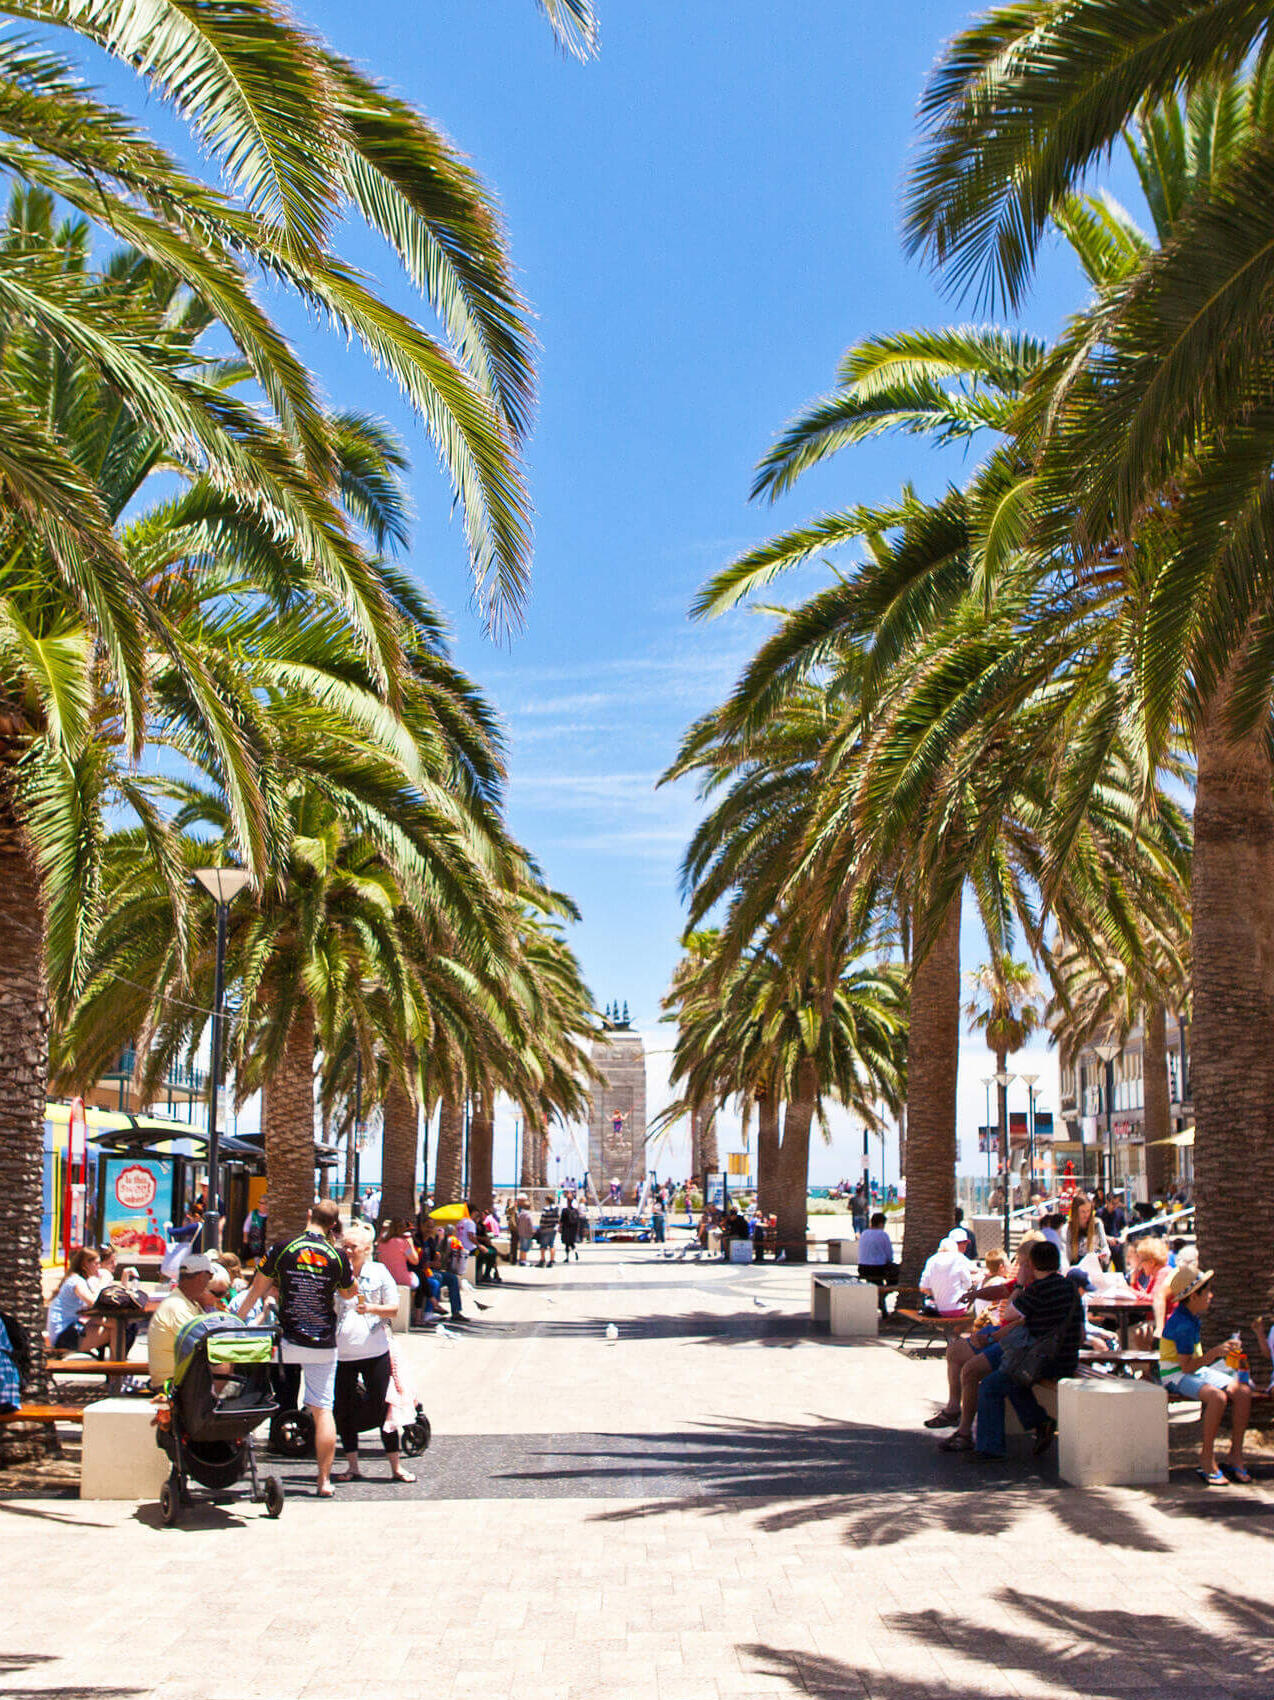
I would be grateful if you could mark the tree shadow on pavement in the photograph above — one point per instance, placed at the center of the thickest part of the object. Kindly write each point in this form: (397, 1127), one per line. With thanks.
(13, 1664)
(883, 1485)
(707, 1326)
(1105, 1653)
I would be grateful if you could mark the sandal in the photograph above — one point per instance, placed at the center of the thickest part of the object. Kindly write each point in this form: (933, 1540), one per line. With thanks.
(943, 1419)
(401, 1476)
(956, 1442)
(1216, 1479)
(1239, 1474)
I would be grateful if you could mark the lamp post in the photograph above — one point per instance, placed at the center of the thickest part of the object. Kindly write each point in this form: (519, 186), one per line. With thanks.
(1003, 1079)
(988, 1080)
(357, 1134)
(1108, 1053)
(223, 885)
(1031, 1080)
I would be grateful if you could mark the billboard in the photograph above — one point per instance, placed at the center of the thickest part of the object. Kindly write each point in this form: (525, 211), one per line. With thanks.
(137, 1205)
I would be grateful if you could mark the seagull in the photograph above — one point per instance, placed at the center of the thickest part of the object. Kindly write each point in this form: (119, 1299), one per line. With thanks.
(612, 1334)
(760, 1304)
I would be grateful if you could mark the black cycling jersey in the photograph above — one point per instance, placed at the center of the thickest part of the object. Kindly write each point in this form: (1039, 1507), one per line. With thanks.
(309, 1271)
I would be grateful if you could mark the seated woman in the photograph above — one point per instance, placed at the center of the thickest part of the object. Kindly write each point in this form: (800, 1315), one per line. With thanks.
(1085, 1233)
(997, 1289)
(1152, 1275)
(397, 1253)
(67, 1329)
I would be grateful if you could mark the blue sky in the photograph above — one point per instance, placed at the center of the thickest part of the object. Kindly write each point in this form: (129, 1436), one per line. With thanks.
(703, 218)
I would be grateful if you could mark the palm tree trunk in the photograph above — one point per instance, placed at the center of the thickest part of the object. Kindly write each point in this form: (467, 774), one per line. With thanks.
(933, 1058)
(481, 1147)
(325, 1185)
(767, 1153)
(542, 1158)
(1157, 1121)
(399, 1125)
(703, 1140)
(1232, 1060)
(351, 1148)
(24, 1070)
(287, 1120)
(447, 1176)
(526, 1165)
(792, 1207)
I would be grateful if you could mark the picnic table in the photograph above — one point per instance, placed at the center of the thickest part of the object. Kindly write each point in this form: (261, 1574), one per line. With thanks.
(120, 1321)
(1126, 1308)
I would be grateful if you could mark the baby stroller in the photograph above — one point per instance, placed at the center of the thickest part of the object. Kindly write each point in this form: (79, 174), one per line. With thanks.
(292, 1427)
(220, 1392)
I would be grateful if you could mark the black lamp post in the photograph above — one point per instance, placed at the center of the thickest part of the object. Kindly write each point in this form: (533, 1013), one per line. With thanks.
(1108, 1053)
(223, 885)
(1003, 1079)
(1030, 1080)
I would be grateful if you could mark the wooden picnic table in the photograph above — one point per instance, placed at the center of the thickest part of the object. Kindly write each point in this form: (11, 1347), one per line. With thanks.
(120, 1321)
(1126, 1308)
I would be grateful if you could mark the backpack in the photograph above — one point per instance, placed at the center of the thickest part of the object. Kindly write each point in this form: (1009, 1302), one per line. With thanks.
(116, 1296)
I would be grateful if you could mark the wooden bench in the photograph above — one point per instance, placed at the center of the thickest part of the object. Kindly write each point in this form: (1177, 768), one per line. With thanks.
(44, 1414)
(934, 1331)
(96, 1366)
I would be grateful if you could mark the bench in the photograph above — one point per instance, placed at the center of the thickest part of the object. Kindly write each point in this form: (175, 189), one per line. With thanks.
(44, 1414)
(121, 1457)
(96, 1366)
(933, 1330)
(843, 1250)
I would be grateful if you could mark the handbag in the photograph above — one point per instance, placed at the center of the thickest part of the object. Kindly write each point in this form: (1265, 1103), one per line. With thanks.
(116, 1296)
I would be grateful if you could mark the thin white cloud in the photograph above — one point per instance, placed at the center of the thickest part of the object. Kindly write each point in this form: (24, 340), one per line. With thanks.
(575, 704)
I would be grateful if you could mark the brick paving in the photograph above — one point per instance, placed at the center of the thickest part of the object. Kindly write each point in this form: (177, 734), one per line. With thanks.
(717, 1505)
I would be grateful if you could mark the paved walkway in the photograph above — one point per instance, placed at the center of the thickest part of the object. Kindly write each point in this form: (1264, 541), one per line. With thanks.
(714, 1505)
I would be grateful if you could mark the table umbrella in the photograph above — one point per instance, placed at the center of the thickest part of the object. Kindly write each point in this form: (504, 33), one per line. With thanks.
(449, 1213)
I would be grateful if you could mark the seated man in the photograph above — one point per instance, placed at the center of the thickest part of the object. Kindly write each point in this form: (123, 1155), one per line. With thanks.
(948, 1278)
(963, 1234)
(876, 1261)
(1051, 1310)
(191, 1298)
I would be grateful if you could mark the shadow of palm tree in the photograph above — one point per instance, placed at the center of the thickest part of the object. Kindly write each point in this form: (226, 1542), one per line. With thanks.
(1105, 1653)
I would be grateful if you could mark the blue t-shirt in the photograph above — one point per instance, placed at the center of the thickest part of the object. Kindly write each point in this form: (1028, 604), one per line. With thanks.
(875, 1248)
(1180, 1339)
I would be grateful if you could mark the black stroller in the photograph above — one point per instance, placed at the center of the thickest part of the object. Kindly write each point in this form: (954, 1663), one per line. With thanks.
(221, 1391)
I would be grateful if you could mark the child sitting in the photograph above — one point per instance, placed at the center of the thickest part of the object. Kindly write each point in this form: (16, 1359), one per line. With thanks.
(1186, 1369)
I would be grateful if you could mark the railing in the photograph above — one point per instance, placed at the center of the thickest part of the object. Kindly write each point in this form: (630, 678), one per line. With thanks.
(183, 1074)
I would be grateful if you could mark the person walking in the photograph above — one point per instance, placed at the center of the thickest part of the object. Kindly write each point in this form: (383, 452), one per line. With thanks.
(526, 1231)
(570, 1225)
(547, 1232)
(309, 1274)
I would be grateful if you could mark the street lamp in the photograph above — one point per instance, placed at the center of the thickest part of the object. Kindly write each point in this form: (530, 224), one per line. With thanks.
(1031, 1080)
(1108, 1053)
(988, 1080)
(223, 885)
(1003, 1079)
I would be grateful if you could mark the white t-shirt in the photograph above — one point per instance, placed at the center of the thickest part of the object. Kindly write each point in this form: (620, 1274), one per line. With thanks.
(1054, 1238)
(359, 1336)
(947, 1277)
(466, 1233)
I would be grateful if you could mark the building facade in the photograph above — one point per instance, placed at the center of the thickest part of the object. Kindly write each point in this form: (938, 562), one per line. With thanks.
(1084, 1108)
(617, 1112)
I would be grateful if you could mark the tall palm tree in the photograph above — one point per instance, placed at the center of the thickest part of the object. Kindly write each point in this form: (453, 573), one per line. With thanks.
(1005, 1005)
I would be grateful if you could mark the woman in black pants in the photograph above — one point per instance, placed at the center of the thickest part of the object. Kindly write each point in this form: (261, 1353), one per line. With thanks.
(364, 1366)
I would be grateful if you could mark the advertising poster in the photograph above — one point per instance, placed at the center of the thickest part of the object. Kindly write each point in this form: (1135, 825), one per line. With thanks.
(137, 1200)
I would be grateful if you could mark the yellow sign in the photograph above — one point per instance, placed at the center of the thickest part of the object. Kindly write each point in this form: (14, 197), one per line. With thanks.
(738, 1162)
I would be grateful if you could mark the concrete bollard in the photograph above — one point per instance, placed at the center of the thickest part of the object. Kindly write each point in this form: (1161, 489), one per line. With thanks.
(121, 1458)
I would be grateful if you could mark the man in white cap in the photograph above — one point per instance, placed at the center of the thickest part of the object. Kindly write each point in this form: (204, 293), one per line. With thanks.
(191, 1298)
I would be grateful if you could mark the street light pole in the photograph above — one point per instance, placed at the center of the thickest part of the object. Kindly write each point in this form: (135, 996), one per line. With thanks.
(1108, 1053)
(1031, 1080)
(988, 1080)
(223, 885)
(358, 1129)
(1003, 1079)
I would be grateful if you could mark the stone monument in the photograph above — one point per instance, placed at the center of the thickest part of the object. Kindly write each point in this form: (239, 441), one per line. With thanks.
(617, 1110)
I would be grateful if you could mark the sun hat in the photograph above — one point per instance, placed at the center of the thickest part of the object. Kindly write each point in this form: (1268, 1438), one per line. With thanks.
(1186, 1281)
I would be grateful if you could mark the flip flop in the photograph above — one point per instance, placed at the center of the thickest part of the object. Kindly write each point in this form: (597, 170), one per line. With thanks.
(402, 1476)
(1216, 1479)
(1239, 1474)
(327, 1491)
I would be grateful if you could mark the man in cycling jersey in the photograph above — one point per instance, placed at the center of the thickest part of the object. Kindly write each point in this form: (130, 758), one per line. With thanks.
(308, 1273)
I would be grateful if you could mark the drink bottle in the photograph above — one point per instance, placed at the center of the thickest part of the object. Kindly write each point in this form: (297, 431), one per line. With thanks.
(1245, 1373)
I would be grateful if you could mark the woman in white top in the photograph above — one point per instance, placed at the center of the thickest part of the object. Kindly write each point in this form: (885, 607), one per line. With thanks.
(363, 1365)
(1085, 1233)
(66, 1328)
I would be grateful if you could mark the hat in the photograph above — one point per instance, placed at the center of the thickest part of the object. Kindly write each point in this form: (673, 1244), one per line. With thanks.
(1187, 1279)
(198, 1263)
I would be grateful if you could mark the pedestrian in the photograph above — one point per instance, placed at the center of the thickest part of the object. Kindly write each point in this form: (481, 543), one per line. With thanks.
(660, 1219)
(546, 1233)
(363, 1362)
(526, 1231)
(310, 1273)
(570, 1223)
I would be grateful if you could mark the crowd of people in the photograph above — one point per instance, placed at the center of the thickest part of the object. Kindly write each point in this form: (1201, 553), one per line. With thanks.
(1025, 1322)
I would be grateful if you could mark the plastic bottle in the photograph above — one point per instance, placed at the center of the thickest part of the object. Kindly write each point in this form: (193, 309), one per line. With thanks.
(1233, 1353)
(1245, 1373)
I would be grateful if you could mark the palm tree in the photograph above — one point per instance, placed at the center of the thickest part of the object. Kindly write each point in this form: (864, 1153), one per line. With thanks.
(1004, 1006)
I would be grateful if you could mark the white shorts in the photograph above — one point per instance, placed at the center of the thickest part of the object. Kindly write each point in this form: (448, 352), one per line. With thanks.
(318, 1372)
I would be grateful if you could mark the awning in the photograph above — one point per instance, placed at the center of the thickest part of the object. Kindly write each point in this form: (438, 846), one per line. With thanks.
(1181, 1140)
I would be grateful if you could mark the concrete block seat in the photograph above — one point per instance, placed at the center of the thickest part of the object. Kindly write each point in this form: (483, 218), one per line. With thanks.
(121, 1458)
(1111, 1431)
(849, 1306)
(843, 1250)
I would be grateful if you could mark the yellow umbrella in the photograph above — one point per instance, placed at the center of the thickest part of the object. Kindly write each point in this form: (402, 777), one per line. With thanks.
(449, 1213)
